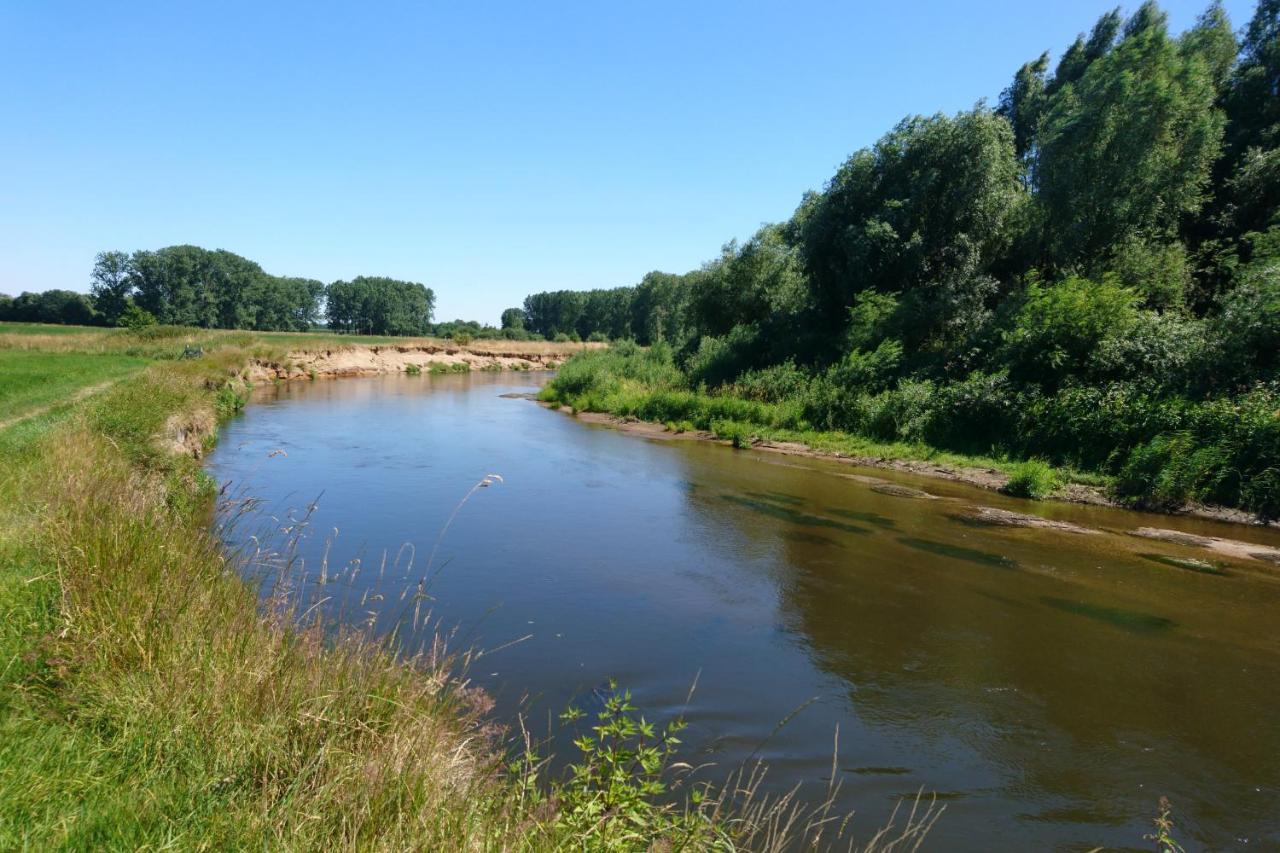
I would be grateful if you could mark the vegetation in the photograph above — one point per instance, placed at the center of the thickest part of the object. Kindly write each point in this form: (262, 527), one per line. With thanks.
(1087, 273)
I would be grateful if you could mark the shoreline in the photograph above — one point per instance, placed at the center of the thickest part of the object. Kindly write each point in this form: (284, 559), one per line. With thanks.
(984, 478)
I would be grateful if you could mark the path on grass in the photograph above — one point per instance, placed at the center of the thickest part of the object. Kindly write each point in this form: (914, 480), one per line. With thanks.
(82, 394)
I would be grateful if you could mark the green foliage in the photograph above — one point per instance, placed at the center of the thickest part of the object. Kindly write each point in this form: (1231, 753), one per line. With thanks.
(1034, 478)
(380, 306)
(136, 319)
(1057, 328)
(612, 800)
(51, 306)
(1125, 150)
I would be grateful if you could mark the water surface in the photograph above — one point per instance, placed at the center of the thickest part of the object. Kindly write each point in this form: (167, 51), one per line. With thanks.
(1048, 687)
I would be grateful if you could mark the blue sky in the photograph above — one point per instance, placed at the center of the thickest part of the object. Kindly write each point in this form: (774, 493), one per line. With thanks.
(485, 149)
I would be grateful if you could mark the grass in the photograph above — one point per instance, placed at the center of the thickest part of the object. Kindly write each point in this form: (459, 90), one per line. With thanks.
(86, 338)
(33, 380)
(1034, 478)
(148, 699)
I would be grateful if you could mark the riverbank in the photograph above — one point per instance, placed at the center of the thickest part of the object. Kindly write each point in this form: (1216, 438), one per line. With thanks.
(627, 385)
(150, 700)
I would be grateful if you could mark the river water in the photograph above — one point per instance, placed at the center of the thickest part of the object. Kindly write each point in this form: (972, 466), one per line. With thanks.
(1047, 687)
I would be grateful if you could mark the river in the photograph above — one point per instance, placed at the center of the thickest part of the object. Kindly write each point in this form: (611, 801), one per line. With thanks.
(1047, 687)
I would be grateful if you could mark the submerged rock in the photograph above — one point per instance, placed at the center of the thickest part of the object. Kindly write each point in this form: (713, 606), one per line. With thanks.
(992, 517)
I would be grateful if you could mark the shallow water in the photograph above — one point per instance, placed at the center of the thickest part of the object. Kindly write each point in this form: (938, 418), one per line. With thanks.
(1048, 687)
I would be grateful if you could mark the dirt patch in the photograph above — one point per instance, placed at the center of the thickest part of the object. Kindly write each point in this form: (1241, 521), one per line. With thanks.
(188, 434)
(1227, 547)
(990, 516)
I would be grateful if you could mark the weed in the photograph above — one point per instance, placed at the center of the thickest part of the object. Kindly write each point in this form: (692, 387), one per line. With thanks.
(1034, 478)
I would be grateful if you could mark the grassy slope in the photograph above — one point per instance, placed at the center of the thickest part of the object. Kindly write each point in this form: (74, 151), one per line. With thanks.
(146, 701)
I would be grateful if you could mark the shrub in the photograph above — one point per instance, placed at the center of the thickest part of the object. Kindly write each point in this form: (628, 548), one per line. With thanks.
(773, 384)
(136, 319)
(1035, 479)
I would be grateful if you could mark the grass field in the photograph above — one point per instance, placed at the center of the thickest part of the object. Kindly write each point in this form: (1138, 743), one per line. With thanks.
(148, 701)
(33, 380)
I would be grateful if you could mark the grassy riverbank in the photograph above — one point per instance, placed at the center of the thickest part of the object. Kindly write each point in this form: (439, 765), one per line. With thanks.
(631, 382)
(148, 701)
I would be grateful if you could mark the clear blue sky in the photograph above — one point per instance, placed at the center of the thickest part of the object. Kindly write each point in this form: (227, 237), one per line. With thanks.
(485, 149)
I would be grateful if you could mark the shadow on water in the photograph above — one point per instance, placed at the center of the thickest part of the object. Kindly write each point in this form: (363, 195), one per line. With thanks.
(804, 537)
(777, 497)
(869, 517)
(1129, 620)
(1188, 564)
(971, 555)
(791, 515)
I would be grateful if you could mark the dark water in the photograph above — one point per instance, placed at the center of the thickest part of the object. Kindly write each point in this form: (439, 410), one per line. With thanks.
(1048, 687)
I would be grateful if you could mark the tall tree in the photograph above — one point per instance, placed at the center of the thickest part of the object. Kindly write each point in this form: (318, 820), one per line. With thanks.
(1125, 152)
(110, 285)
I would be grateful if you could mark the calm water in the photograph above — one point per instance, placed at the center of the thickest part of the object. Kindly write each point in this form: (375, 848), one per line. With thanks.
(1048, 687)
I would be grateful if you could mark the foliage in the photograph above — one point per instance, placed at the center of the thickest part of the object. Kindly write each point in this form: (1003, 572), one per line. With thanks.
(380, 306)
(1034, 479)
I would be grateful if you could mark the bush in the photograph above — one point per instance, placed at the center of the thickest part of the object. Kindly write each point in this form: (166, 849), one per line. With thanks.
(562, 338)
(1035, 479)
(136, 319)
(773, 384)
(1057, 327)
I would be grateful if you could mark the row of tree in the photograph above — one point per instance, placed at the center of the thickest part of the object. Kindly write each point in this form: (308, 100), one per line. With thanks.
(191, 286)
(1106, 239)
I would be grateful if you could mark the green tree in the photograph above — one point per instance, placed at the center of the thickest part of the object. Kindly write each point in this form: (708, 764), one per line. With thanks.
(110, 286)
(1126, 149)
(513, 318)
(930, 207)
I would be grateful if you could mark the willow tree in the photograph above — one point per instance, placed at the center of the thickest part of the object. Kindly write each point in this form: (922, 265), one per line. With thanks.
(1125, 151)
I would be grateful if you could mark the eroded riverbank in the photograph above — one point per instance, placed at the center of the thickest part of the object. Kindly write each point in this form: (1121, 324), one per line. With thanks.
(377, 359)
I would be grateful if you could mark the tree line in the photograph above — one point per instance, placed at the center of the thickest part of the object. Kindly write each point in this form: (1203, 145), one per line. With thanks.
(192, 286)
(1087, 270)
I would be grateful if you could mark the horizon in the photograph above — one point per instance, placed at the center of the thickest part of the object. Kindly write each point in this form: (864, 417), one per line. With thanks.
(486, 154)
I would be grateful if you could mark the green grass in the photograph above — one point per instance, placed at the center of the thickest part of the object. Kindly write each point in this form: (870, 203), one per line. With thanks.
(1034, 478)
(33, 379)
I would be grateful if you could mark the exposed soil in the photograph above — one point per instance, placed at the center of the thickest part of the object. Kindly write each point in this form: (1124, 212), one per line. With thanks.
(378, 359)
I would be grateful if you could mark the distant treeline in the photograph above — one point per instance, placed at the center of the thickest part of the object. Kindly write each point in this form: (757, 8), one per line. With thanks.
(1088, 271)
(191, 286)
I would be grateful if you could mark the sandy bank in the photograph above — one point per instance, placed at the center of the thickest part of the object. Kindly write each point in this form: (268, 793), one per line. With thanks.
(372, 360)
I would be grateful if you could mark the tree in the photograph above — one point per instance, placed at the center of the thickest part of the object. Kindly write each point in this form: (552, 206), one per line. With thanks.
(931, 205)
(513, 318)
(373, 305)
(1126, 149)
(110, 286)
